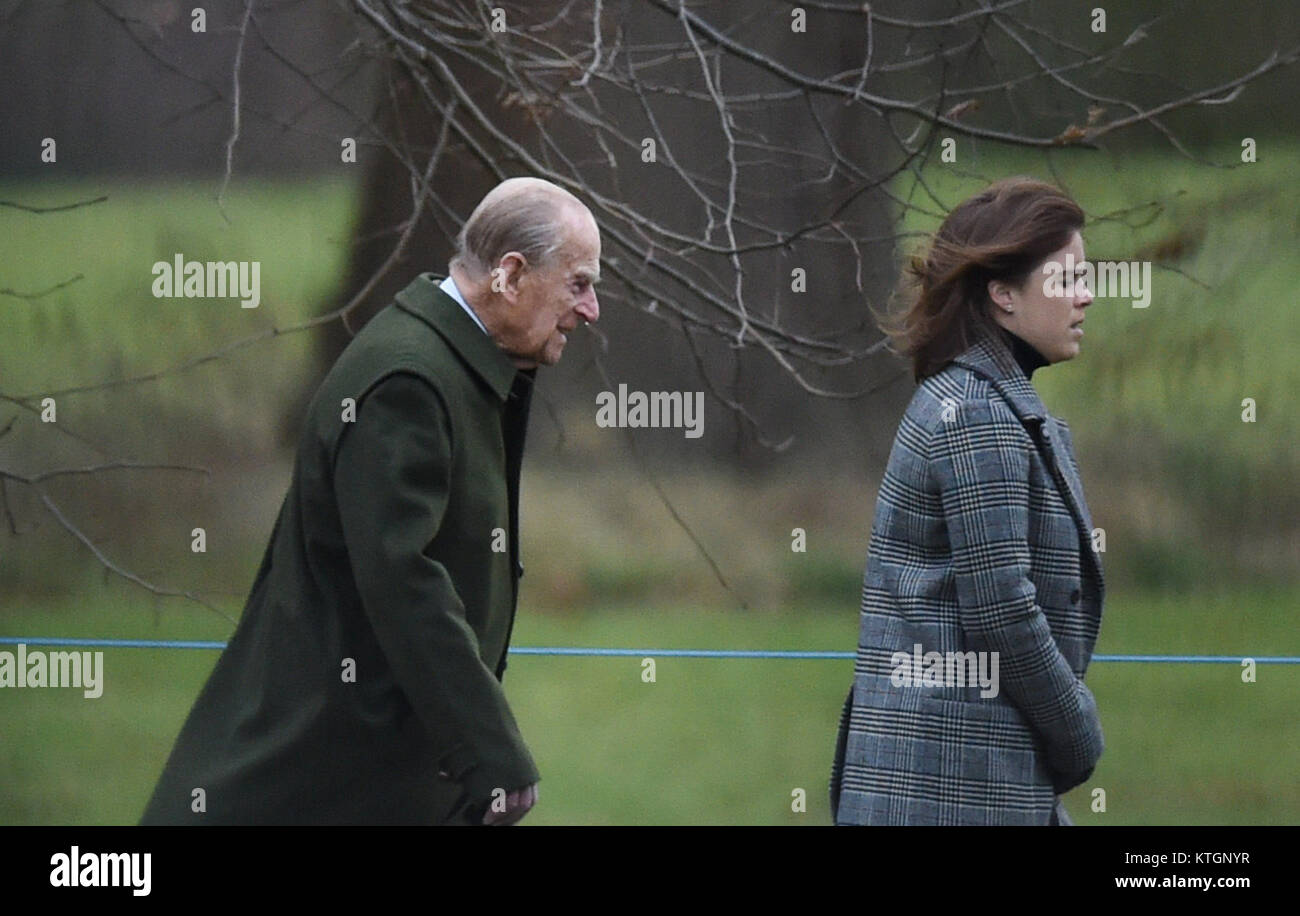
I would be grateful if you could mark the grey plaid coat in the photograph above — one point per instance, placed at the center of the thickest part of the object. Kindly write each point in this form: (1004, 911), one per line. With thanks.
(981, 543)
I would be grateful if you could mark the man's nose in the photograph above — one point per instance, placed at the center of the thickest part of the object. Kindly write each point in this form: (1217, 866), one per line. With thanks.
(589, 309)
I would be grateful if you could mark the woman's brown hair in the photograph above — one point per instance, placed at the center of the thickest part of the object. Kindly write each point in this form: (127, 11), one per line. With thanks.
(1002, 233)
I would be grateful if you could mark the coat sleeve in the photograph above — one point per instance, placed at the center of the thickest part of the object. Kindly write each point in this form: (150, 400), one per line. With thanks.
(391, 482)
(980, 464)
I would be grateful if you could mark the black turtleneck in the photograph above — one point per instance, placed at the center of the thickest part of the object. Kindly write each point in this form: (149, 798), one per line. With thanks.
(1026, 356)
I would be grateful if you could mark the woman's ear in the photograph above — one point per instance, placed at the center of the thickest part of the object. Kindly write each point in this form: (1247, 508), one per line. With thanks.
(1001, 295)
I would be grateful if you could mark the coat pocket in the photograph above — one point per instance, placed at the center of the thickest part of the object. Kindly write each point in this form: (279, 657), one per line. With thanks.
(989, 748)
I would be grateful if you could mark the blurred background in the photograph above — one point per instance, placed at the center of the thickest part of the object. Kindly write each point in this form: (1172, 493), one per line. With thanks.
(759, 171)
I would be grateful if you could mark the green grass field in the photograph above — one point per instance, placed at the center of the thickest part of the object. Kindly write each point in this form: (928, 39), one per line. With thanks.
(107, 325)
(711, 741)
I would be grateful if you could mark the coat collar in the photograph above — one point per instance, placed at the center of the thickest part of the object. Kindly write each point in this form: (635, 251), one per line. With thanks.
(991, 357)
(435, 308)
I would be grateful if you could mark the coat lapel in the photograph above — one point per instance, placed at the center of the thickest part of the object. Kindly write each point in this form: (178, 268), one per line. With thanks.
(992, 358)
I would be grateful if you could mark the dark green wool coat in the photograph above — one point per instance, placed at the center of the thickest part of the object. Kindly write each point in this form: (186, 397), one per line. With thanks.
(394, 556)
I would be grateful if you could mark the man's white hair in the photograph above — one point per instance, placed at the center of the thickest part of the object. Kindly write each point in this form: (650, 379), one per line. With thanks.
(520, 214)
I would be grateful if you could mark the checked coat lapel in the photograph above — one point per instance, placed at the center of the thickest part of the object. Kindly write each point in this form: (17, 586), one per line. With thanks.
(990, 357)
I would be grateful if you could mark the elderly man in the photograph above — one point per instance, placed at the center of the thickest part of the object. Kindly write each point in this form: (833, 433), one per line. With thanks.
(363, 683)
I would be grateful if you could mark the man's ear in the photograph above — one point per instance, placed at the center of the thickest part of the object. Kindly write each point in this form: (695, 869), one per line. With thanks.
(506, 275)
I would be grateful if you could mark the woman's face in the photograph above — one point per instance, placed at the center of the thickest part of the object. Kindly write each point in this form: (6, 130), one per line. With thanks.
(1047, 312)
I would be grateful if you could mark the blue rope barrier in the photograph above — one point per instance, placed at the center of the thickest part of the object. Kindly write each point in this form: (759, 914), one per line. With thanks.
(111, 643)
(634, 653)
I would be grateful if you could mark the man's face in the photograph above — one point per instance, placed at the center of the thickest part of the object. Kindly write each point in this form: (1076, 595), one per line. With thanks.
(1048, 309)
(546, 303)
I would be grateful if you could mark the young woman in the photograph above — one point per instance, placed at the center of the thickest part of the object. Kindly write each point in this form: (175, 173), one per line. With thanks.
(982, 596)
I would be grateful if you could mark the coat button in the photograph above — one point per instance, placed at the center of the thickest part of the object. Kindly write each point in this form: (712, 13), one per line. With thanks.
(1075, 596)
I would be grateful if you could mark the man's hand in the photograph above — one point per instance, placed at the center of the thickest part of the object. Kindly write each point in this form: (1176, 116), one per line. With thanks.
(518, 803)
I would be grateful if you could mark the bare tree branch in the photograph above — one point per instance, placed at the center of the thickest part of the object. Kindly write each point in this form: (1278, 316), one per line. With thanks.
(28, 208)
(97, 468)
(118, 570)
(234, 110)
(31, 297)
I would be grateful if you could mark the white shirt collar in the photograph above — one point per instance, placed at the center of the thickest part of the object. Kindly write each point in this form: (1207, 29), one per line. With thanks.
(449, 287)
